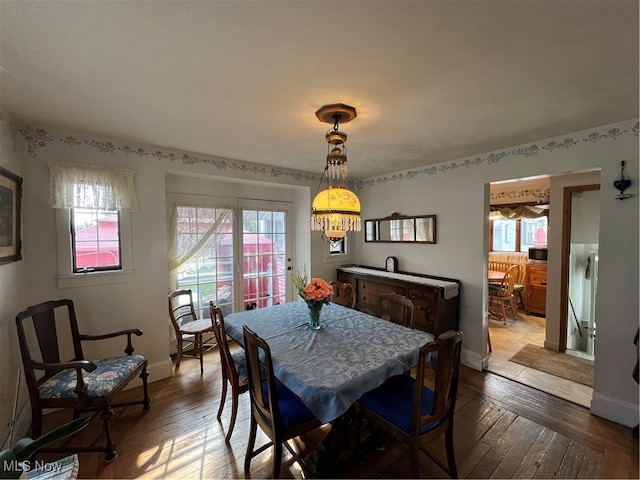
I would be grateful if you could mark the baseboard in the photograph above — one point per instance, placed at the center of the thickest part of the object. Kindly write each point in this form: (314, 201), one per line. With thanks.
(552, 345)
(472, 360)
(157, 371)
(614, 409)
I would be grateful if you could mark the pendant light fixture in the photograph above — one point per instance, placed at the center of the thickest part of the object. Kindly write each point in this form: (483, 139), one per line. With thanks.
(336, 209)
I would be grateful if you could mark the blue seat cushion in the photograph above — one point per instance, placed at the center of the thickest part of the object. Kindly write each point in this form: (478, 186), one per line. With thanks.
(393, 400)
(292, 411)
(108, 375)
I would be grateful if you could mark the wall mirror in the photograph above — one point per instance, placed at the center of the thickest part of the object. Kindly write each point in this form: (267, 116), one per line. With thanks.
(401, 229)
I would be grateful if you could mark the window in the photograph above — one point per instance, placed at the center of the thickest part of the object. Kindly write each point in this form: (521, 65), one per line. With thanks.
(516, 230)
(201, 256)
(94, 200)
(337, 247)
(264, 252)
(533, 233)
(337, 251)
(95, 240)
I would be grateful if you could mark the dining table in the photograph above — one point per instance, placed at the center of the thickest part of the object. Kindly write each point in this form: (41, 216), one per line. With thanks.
(495, 276)
(330, 368)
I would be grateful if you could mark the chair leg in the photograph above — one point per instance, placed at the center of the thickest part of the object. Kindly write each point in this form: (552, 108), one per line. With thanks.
(223, 395)
(504, 312)
(489, 339)
(110, 449)
(451, 457)
(514, 307)
(234, 412)
(199, 347)
(413, 461)
(36, 422)
(144, 375)
(277, 459)
(250, 444)
(179, 354)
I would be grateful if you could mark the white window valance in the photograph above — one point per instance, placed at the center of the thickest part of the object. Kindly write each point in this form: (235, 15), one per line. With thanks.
(75, 185)
(525, 211)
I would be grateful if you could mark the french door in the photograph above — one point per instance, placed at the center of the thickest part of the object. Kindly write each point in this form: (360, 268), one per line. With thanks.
(265, 249)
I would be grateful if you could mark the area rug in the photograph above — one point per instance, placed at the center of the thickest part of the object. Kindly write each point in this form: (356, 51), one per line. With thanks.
(555, 363)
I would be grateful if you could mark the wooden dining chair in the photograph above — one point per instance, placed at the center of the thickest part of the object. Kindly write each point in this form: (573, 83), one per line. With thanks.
(418, 410)
(502, 295)
(397, 309)
(518, 290)
(279, 413)
(344, 293)
(48, 332)
(191, 334)
(234, 368)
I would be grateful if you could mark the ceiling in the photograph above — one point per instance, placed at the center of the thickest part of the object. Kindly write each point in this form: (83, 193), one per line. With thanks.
(432, 81)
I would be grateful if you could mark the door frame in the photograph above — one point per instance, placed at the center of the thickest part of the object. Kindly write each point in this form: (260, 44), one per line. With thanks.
(566, 247)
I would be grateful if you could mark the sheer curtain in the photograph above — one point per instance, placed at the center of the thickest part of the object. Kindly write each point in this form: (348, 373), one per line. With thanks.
(193, 233)
(97, 187)
(525, 211)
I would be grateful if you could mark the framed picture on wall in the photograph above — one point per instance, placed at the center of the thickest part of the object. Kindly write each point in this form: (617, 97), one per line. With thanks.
(10, 197)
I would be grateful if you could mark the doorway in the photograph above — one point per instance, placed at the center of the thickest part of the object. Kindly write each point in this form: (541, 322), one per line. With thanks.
(515, 345)
(581, 223)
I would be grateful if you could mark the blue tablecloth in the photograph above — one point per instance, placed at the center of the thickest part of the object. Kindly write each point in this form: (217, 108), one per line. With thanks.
(330, 368)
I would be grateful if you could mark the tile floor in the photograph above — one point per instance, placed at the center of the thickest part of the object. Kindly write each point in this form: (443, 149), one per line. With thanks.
(508, 339)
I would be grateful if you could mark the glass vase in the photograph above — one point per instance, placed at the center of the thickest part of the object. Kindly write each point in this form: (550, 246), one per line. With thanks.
(314, 318)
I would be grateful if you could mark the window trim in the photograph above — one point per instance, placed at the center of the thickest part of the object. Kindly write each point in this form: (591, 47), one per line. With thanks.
(67, 279)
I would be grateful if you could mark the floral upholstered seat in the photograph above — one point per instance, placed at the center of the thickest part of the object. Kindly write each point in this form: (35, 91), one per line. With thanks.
(110, 373)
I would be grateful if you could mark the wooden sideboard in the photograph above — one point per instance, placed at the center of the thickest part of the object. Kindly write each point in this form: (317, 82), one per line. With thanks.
(434, 313)
(535, 288)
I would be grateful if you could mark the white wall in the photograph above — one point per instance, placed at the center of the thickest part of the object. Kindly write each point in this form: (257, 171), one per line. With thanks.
(457, 192)
(14, 296)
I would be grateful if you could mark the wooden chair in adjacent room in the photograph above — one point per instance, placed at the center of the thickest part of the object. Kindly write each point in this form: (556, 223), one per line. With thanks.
(414, 411)
(49, 331)
(501, 295)
(396, 308)
(344, 294)
(518, 290)
(191, 334)
(234, 368)
(279, 413)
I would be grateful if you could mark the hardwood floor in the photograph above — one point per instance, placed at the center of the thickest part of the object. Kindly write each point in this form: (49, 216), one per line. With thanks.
(503, 429)
(508, 339)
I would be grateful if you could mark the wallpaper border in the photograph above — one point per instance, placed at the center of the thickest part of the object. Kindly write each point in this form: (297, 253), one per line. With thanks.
(496, 157)
(37, 138)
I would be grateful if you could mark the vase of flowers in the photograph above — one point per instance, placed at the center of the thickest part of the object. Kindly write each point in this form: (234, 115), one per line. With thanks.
(316, 293)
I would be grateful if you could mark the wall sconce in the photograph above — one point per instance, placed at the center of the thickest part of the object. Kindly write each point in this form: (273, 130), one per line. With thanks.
(622, 184)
